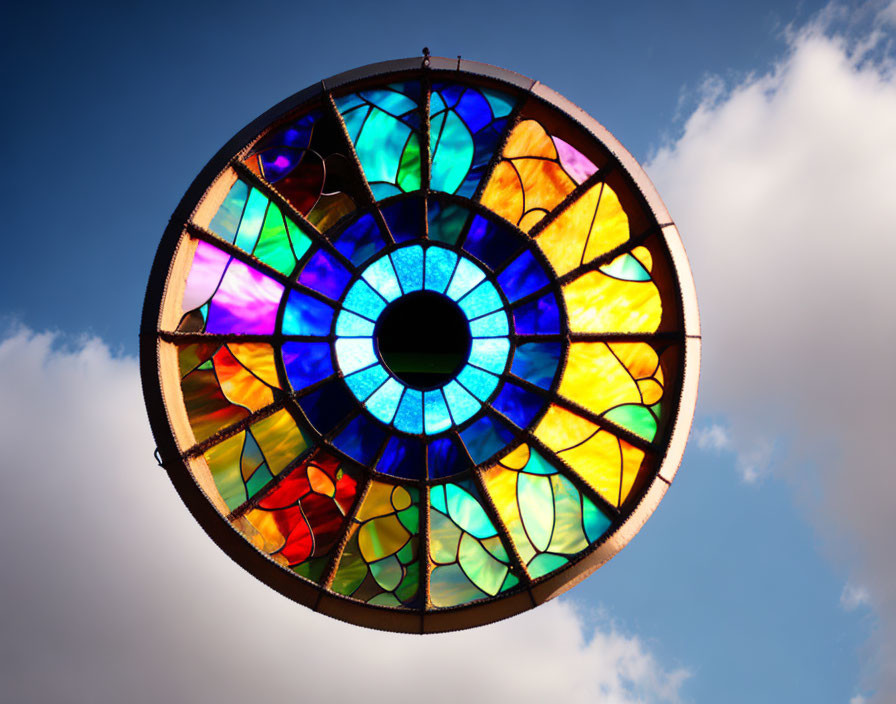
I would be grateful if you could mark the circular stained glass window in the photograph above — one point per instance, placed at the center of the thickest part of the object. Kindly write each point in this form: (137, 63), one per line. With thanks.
(420, 346)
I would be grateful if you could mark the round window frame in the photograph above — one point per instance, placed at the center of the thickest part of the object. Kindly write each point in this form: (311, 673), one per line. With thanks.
(207, 192)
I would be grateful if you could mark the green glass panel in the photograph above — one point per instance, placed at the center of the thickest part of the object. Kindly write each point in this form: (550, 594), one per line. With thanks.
(536, 504)
(482, 569)
(635, 418)
(253, 217)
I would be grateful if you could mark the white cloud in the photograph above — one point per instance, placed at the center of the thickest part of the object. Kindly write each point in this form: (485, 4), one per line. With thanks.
(783, 189)
(712, 437)
(854, 596)
(112, 593)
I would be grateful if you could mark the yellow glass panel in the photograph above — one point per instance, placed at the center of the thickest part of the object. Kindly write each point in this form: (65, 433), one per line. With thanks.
(504, 193)
(265, 524)
(599, 303)
(239, 385)
(560, 429)
(529, 139)
(595, 379)
(320, 482)
(378, 502)
(643, 255)
(501, 485)
(638, 357)
(517, 459)
(279, 439)
(259, 359)
(401, 499)
(381, 537)
(651, 391)
(593, 225)
(223, 461)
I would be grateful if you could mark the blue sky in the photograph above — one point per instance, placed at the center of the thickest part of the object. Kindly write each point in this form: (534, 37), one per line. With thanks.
(766, 128)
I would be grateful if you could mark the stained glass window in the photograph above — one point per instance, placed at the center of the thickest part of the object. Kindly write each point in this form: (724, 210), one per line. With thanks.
(420, 351)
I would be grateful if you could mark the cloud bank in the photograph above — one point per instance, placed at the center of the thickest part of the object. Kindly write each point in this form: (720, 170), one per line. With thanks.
(111, 592)
(782, 187)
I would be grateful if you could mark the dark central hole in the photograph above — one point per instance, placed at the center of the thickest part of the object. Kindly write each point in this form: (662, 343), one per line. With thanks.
(423, 338)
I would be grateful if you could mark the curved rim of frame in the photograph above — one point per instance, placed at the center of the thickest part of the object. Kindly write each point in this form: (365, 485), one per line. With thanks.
(317, 597)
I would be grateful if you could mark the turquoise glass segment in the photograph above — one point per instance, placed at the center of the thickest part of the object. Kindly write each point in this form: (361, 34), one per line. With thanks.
(466, 276)
(409, 417)
(440, 265)
(362, 299)
(227, 219)
(627, 268)
(408, 263)
(305, 315)
(461, 403)
(490, 354)
(366, 381)
(435, 413)
(481, 300)
(354, 353)
(477, 382)
(350, 325)
(381, 276)
(384, 402)
(253, 217)
(492, 325)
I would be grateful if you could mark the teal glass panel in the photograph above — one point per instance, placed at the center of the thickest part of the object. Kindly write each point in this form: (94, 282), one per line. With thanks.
(382, 277)
(477, 382)
(227, 219)
(440, 265)
(481, 300)
(627, 268)
(361, 298)
(350, 325)
(384, 190)
(500, 103)
(390, 101)
(384, 402)
(446, 221)
(596, 523)
(409, 417)
(380, 146)
(435, 413)
(253, 217)
(466, 276)
(490, 354)
(492, 325)
(467, 512)
(463, 406)
(408, 264)
(536, 362)
(536, 501)
(366, 381)
(452, 144)
(354, 353)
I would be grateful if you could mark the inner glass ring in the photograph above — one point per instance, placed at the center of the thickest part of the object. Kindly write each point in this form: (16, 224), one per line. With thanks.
(423, 338)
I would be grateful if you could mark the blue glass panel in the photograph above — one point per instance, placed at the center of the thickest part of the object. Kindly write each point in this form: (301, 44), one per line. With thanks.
(445, 457)
(366, 381)
(227, 219)
(404, 218)
(474, 110)
(435, 413)
(351, 325)
(446, 221)
(481, 300)
(362, 299)
(360, 240)
(524, 275)
(466, 276)
(354, 353)
(440, 265)
(491, 243)
(493, 325)
(361, 439)
(324, 273)
(477, 382)
(536, 362)
(306, 362)
(328, 406)
(539, 317)
(250, 225)
(409, 418)
(403, 457)
(485, 437)
(463, 406)
(408, 264)
(384, 402)
(519, 405)
(305, 315)
(382, 277)
(490, 354)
